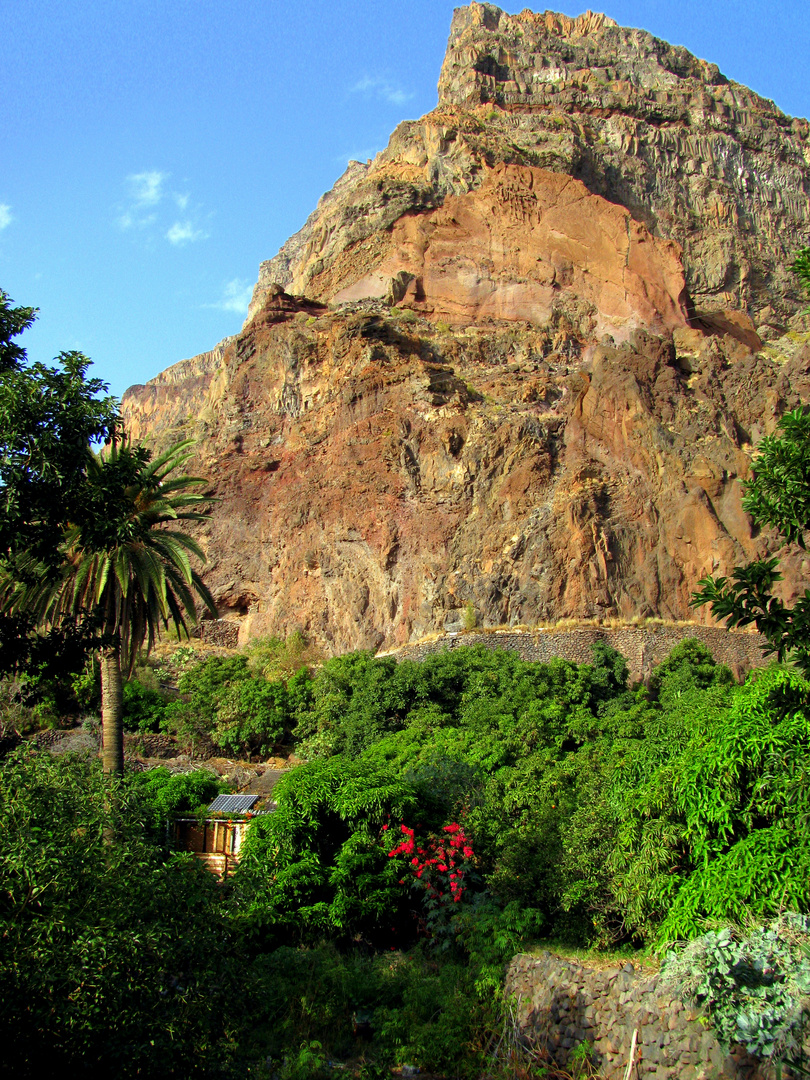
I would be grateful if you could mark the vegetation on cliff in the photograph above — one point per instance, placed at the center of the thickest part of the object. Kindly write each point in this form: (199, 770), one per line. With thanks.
(777, 495)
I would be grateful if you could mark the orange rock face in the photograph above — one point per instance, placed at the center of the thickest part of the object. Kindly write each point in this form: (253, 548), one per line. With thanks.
(524, 239)
(377, 475)
(514, 365)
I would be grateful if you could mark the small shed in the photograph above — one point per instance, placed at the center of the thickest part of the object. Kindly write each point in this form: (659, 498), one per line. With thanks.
(217, 838)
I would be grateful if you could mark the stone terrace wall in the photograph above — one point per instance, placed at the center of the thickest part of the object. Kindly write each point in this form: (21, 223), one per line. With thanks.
(562, 1004)
(221, 632)
(642, 646)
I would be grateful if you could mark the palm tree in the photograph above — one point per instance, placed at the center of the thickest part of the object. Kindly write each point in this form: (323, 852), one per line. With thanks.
(125, 568)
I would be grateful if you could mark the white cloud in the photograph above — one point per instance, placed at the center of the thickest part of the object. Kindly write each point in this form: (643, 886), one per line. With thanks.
(236, 296)
(146, 188)
(151, 206)
(381, 88)
(130, 220)
(5, 215)
(184, 232)
(145, 192)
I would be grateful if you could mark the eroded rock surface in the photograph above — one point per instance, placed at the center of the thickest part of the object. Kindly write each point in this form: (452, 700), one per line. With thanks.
(378, 474)
(696, 158)
(516, 364)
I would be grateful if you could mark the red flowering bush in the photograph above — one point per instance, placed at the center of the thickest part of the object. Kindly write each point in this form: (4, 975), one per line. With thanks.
(439, 863)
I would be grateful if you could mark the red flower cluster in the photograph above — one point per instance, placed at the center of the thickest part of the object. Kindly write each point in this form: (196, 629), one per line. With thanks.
(441, 863)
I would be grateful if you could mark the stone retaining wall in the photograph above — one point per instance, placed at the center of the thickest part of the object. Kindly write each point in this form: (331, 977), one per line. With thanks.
(642, 646)
(221, 632)
(562, 1004)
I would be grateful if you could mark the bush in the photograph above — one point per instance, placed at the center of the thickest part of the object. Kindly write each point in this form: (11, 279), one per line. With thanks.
(756, 986)
(743, 793)
(98, 971)
(276, 658)
(252, 716)
(166, 794)
(317, 866)
(713, 810)
(689, 666)
(226, 704)
(389, 1009)
(144, 707)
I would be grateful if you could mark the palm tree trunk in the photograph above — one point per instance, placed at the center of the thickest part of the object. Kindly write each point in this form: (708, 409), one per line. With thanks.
(112, 712)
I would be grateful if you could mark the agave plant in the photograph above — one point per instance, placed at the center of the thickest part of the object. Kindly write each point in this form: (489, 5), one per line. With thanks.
(124, 567)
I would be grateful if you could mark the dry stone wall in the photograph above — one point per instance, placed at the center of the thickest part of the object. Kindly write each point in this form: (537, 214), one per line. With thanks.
(562, 1004)
(221, 632)
(643, 646)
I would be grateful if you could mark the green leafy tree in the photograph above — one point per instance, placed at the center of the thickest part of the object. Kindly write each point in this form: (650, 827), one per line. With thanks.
(100, 972)
(167, 793)
(13, 321)
(317, 866)
(123, 568)
(49, 418)
(778, 495)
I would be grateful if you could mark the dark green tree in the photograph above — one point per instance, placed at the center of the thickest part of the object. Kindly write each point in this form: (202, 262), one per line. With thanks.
(49, 418)
(124, 568)
(777, 495)
(102, 973)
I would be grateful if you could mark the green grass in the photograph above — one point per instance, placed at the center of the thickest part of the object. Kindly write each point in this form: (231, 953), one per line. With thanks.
(591, 957)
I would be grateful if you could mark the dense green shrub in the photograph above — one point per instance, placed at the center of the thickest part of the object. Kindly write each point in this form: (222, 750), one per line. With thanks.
(224, 703)
(278, 658)
(742, 792)
(251, 716)
(689, 666)
(318, 867)
(386, 1009)
(99, 972)
(144, 707)
(359, 699)
(355, 700)
(756, 986)
(166, 794)
(602, 787)
(713, 826)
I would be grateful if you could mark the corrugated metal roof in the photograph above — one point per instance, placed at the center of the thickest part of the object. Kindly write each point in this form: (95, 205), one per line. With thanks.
(232, 804)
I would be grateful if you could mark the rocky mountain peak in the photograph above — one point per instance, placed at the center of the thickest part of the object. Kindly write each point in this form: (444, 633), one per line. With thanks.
(517, 363)
(520, 59)
(693, 158)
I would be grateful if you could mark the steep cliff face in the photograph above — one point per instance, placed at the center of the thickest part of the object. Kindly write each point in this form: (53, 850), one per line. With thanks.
(696, 158)
(517, 361)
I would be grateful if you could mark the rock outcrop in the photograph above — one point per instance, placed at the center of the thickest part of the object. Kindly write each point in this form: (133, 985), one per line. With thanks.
(694, 157)
(517, 363)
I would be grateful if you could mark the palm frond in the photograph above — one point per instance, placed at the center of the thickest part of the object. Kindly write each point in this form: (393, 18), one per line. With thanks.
(188, 542)
(128, 568)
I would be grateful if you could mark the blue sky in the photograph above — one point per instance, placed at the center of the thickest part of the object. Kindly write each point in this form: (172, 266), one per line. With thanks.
(156, 151)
